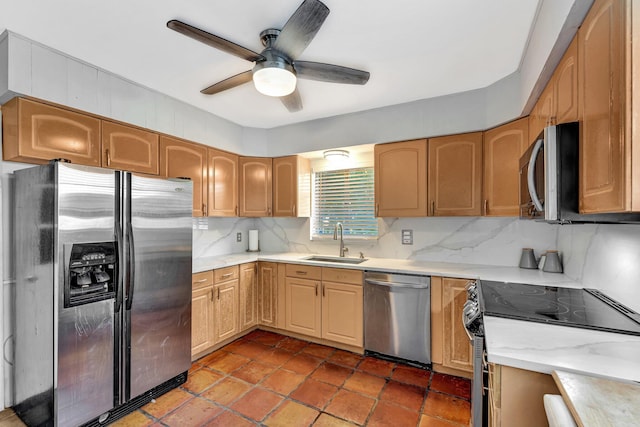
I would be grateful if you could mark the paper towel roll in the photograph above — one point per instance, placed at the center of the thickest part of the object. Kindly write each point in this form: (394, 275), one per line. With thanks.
(253, 240)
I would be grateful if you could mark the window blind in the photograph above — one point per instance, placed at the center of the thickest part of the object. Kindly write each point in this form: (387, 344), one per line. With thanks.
(345, 196)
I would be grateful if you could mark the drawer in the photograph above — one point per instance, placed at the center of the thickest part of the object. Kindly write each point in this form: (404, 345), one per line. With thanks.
(202, 280)
(227, 273)
(342, 275)
(304, 271)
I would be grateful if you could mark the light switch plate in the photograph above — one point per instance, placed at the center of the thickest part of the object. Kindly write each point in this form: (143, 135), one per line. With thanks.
(407, 237)
(238, 236)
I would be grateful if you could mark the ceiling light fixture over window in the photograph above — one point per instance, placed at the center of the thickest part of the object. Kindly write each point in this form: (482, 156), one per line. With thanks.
(274, 78)
(336, 154)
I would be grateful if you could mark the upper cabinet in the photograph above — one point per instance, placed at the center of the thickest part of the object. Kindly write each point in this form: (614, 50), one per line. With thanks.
(36, 133)
(223, 183)
(129, 148)
(255, 186)
(455, 175)
(503, 147)
(609, 162)
(558, 102)
(401, 179)
(185, 160)
(291, 186)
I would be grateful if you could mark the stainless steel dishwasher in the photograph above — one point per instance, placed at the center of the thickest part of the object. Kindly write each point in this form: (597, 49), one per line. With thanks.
(397, 316)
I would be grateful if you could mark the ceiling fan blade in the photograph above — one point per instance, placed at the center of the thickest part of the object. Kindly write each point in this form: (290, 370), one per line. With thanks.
(301, 28)
(293, 102)
(214, 41)
(330, 73)
(229, 83)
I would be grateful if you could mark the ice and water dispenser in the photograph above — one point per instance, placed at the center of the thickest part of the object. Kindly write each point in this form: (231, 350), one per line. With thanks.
(92, 273)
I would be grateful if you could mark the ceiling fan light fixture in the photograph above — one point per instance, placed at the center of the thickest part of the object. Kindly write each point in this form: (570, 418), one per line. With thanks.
(274, 78)
(336, 154)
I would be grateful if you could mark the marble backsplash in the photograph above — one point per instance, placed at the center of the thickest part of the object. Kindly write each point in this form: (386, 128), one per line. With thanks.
(604, 256)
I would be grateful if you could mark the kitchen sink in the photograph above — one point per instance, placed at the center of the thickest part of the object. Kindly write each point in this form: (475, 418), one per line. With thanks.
(340, 260)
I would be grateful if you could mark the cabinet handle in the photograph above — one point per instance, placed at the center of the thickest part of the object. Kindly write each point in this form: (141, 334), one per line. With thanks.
(302, 273)
(211, 295)
(322, 291)
(377, 208)
(486, 207)
(200, 281)
(316, 289)
(236, 210)
(255, 268)
(293, 210)
(108, 157)
(218, 293)
(204, 209)
(224, 276)
(433, 208)
(269, 211)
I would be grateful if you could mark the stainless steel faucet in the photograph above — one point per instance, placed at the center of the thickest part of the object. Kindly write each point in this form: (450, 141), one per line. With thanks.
(335, 237)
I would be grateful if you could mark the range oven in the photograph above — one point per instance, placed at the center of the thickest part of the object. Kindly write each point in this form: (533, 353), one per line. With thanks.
(573, 307)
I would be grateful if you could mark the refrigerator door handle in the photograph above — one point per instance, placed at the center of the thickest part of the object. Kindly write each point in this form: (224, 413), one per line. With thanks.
(120, 282)
(132, 265)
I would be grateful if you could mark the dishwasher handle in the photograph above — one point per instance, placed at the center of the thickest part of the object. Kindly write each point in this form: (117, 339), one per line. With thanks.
(396, 284)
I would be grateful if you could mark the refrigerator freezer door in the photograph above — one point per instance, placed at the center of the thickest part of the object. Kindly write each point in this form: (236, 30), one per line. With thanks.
(159, 238)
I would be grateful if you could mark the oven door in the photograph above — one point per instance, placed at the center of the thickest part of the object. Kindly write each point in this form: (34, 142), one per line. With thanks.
(532, 181)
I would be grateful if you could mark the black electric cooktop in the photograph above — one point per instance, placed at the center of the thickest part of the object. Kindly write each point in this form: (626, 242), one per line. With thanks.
(580, 308)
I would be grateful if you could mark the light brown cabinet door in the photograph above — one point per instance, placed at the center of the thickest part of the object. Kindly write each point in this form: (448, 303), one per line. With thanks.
(503, 147)
(202, 309)
(457, 350)
(342, 313)
(303, 306)
(128, 148)
(226, 311)
(255, 186)
(603, 151)
(565, 86)
(33, 132)
(268, 293)
(291, 186)
(401, 179)
(182, 159)
(455, 175)
(223, 183)
(542, 113)
(248, 295)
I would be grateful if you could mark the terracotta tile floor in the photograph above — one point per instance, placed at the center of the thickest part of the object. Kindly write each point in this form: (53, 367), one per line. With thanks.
(267, 379)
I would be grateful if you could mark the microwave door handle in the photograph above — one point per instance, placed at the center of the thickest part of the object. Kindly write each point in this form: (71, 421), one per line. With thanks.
(531, 175)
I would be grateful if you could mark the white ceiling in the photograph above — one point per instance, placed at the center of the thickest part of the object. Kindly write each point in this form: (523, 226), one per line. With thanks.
(414, 49)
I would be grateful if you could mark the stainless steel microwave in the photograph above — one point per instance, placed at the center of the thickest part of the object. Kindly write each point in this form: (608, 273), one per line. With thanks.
(549, 175)
(550, 179)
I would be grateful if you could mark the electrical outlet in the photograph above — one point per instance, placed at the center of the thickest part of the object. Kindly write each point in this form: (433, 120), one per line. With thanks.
(407, 237)
(238, 236)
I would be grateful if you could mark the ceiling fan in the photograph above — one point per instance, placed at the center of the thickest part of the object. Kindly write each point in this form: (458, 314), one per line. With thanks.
(276, 68)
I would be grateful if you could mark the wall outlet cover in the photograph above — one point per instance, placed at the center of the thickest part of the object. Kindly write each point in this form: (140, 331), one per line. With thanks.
(407, 237)
(238, 236)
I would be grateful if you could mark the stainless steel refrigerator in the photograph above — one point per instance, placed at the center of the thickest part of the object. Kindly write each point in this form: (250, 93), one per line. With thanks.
(103, 292)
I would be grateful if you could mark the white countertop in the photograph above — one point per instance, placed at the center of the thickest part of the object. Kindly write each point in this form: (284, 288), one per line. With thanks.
(445, 269)
(526, 345)
(545, 348)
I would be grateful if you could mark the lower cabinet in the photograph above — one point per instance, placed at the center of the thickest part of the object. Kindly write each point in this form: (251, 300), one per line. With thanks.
(202, 308)
(451, 350)
(223, 304)
(227, 302)
(324, 303)
(268, 294)
(516, 396)
(248, 295)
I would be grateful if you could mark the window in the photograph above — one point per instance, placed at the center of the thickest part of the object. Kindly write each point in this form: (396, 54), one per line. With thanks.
(344, 196)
